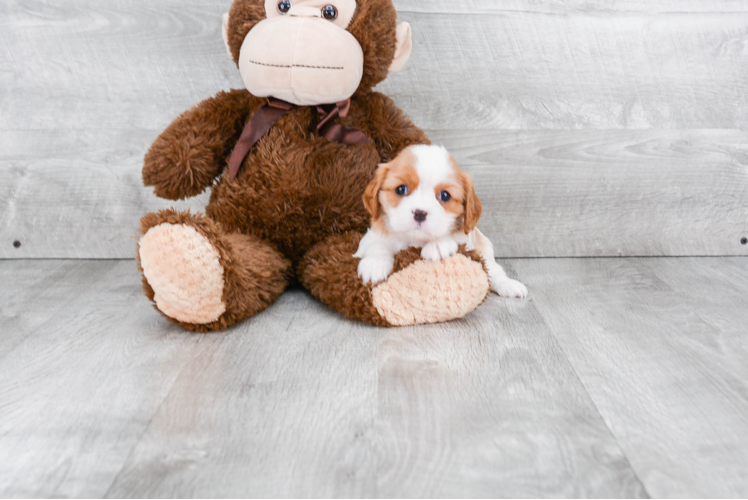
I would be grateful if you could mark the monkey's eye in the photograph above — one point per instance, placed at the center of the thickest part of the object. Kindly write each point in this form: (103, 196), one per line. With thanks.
(401, 190)
(329, 12)
(284, 6)
(445, 196)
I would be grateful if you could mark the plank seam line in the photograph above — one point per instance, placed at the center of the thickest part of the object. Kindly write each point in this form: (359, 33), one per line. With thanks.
(594, 404)
(148, 426)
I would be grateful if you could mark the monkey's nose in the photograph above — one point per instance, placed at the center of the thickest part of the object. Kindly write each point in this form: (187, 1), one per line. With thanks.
(304, 11)
(420, 215)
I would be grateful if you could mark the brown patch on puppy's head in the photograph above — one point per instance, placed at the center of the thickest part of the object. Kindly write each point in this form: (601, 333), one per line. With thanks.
(371, 194)
(456, 189)
(389, 176)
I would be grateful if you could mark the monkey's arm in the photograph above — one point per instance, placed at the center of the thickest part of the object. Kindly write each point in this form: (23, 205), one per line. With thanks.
(192, 151)
(389, 128)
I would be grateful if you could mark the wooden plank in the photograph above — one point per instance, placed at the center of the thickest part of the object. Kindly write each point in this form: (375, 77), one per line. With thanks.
(519, 70)
(293, 408)
(88, 366)
(615, 370)
(51, 288)
(75, 194)
(283, 407)
(609, 193)
(545, 193)
(489, 407)
(601, 7)
(118, 65)
(82, 385)
(660, 346)
(138, 64)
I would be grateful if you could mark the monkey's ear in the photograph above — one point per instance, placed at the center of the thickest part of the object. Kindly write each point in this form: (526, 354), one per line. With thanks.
(225, 32)
(404, 47)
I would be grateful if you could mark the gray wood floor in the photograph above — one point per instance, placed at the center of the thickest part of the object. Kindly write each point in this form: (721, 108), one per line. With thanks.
(618, 378)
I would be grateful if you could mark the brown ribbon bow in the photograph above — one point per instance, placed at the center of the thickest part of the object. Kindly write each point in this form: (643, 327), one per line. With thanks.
(274, 110)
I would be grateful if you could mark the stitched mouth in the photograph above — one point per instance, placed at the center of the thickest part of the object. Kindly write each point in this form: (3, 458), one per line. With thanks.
(295, 66)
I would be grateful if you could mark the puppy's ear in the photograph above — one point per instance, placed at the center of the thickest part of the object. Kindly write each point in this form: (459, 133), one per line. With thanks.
(473, 206)
(371, 195)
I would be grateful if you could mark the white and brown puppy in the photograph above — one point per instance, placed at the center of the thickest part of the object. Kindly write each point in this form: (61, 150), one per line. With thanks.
(423, 199)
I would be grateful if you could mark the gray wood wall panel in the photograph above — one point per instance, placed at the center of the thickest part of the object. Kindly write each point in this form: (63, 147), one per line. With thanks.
(573, 6)
(545, 193)
(609, 193)
(86, 86)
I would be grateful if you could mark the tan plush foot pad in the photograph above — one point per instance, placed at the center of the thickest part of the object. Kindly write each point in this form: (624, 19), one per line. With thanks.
(432, 292)
(185, 272)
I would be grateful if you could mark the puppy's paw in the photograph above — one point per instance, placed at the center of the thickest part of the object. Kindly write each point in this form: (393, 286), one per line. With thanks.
(438, 250)
(374, 270)
(507, 287)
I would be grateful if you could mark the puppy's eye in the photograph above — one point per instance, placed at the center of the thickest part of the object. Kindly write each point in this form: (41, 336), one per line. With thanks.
(329, 12)
(284, 6)
(401, 190)
(445, 196)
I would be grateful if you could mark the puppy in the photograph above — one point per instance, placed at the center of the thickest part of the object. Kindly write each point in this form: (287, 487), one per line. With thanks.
(423, 199)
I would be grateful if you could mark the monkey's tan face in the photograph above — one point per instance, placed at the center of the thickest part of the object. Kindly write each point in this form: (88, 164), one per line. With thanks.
(302, 53)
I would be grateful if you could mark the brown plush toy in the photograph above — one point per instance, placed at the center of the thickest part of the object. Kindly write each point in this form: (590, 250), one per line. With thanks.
(288, 160)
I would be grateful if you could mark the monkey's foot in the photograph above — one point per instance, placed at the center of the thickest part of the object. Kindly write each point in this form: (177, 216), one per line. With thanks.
(185, 272)
(432, 291)
(417, 292)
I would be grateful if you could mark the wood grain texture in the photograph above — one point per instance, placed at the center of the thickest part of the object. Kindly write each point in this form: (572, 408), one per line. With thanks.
(484, 408)
(85, 363)
(661, 347)
(602, 7)
(75, 194)
(282, 406)
(623, 118)
(106, 398)
(545, 193)
(138, 64)
(618, 378)
(609, 193)
(524, 70)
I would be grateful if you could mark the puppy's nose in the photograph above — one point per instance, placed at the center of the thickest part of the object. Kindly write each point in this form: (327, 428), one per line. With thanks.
(420, 215)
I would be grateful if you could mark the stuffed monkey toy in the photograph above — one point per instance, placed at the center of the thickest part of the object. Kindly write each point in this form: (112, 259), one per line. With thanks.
(288, 160)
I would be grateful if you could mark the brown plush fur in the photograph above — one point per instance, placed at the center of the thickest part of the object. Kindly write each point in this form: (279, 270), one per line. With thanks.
(410, 255)
(328, 271)
(255, 273)
(192, 152)
(296, 207)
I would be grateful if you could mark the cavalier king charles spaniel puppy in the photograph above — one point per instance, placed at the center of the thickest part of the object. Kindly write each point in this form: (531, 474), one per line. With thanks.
(423, 199)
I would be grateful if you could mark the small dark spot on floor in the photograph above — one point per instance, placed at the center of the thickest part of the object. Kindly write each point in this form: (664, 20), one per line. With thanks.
(17, 244)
